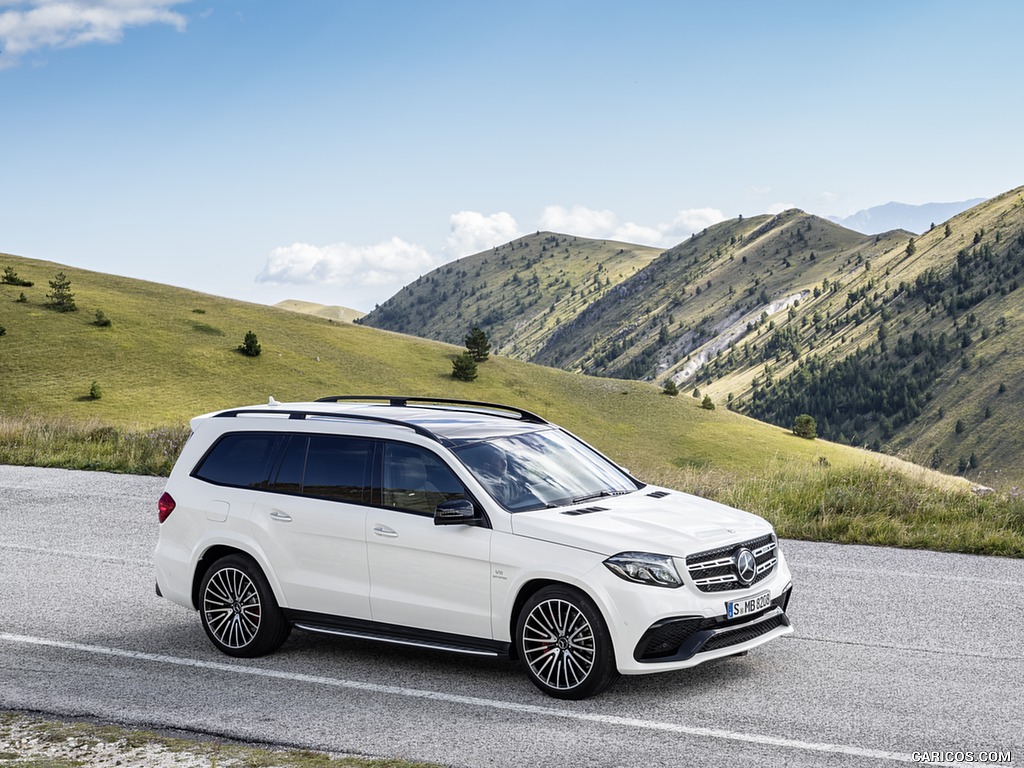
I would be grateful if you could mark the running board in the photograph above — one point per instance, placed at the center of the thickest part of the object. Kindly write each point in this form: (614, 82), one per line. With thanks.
(395, 635)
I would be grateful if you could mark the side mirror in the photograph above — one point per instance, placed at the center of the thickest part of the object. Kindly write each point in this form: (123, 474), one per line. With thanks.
(455, 512)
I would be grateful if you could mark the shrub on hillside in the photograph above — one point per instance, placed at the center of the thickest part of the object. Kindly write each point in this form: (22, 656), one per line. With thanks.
(10, 277)
(250, 346)
(805, 426)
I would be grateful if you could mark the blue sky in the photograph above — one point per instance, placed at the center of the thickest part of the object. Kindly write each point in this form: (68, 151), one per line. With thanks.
(333, 150)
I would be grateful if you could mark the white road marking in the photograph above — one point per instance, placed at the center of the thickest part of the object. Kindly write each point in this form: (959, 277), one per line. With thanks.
(532, 709)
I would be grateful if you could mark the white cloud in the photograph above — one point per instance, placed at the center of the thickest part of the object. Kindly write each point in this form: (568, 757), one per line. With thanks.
(587, 222)
(780, 207)
(472, 232)
(29, 25)
(636, 233)
(391, 263)
(691, 220)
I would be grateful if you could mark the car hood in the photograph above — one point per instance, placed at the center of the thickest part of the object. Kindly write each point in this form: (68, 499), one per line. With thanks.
(652, 520)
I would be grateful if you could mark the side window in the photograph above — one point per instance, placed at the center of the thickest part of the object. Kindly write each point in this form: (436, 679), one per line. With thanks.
(338, 468)
(289, 471)
(239, 459)
(416, 480)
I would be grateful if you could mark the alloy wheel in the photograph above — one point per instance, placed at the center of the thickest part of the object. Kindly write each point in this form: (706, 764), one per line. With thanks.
(559, 644)
(231, 605)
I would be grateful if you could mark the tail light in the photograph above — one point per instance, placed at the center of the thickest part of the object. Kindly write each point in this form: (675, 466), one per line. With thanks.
(165, 505)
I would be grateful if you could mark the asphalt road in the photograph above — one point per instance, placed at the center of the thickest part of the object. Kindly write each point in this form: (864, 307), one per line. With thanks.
(895, 652)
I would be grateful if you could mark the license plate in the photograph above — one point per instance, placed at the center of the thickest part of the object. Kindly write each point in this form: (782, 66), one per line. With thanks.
(735, 608)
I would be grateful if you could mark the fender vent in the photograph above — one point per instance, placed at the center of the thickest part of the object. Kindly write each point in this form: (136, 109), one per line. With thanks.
(658, 494)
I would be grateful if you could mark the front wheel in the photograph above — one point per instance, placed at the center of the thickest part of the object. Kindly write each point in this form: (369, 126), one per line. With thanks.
(238, 609)
(562, 640)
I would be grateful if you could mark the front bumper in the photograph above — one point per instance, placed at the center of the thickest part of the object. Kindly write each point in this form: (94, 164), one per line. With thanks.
(681, 638)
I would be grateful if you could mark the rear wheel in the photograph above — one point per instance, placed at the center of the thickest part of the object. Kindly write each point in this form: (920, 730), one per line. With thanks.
(238, 609)
(562, 640)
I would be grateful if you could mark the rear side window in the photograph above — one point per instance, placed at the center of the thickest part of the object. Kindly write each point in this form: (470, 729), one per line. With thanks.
(241, 460)
(338, 468)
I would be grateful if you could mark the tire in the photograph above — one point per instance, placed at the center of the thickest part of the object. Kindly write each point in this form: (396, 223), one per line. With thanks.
(238, 609)
(564, 644)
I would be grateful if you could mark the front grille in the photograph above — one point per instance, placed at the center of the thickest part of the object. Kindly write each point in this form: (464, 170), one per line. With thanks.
(715, 569)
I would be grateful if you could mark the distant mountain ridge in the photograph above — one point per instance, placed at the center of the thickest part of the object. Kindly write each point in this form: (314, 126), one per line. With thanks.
(912, 218)
(901, 342)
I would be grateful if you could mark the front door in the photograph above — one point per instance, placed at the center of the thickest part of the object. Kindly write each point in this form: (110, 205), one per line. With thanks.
(423, 575)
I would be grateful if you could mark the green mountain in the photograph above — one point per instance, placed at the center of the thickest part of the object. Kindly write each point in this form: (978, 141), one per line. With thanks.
(904, 343)
(519, 293)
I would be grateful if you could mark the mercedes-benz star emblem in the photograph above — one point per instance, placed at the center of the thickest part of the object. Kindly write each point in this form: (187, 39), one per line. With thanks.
(746, 566)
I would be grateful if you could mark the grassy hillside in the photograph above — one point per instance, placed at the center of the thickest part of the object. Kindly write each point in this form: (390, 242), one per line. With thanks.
(328, 311)
(169, 354)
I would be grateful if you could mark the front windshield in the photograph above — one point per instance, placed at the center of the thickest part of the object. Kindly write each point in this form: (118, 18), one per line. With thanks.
(542, 469)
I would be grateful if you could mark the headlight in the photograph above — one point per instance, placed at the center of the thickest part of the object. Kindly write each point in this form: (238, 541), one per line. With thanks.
(645, 568)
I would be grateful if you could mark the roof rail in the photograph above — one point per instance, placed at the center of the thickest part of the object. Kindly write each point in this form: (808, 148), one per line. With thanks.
(401, 402)
(299, 415)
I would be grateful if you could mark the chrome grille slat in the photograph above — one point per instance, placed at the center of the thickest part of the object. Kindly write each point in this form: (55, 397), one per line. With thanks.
(720, 563)
(715, 580)
(714, 570)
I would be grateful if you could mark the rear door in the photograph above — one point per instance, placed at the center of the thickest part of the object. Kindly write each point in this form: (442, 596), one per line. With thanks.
(312, 523)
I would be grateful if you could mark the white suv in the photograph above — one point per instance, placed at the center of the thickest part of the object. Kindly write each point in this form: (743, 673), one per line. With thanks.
(462, 526)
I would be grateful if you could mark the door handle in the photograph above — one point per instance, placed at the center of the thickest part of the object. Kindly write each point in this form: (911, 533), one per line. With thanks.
(383, 530)
(281, 517)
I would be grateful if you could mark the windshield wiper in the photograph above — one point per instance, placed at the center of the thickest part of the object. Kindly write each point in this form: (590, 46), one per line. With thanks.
(598, 495)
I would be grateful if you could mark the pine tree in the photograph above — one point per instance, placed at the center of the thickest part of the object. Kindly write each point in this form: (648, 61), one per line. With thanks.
(477, 344)
(60, 296)
(464, 367)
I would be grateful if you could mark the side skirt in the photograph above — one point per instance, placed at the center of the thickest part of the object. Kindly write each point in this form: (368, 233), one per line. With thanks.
(391, 633)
